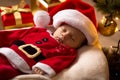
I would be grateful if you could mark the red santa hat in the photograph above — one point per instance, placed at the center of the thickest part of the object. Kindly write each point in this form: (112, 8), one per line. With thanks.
(77, 14)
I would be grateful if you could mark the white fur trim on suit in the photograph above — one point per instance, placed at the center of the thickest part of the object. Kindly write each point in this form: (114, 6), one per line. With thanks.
(77, 20)
(15, 59)
(46, 68)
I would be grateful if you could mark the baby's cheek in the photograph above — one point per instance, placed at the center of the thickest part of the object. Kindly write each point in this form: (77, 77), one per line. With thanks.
(68, 43)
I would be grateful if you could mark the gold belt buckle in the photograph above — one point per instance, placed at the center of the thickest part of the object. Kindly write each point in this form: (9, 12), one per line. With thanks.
(22, 48)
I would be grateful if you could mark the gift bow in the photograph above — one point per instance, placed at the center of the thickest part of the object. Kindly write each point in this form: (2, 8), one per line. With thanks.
(16, 12)
(13, 9)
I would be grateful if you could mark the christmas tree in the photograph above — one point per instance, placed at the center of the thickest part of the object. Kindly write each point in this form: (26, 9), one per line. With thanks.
(111, 7)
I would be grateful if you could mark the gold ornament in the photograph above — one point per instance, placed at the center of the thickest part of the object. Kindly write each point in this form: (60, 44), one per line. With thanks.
(107, 26)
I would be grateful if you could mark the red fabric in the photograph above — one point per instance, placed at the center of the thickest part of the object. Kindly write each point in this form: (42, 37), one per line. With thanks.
(62, 60)
(7, 37)
(50, 8)
(79, 5)
(6, 70)
(57, 55)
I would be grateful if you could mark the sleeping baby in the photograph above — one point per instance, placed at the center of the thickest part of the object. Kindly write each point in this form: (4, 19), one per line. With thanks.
(35, 50)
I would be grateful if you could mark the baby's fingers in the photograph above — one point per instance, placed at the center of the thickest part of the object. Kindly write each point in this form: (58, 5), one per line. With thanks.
(38, 71)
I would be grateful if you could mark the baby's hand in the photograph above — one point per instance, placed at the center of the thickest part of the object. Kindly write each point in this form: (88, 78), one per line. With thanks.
(37, 70)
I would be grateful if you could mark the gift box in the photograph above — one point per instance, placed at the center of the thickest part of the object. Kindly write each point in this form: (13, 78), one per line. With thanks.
(47, 4)
(16, 16)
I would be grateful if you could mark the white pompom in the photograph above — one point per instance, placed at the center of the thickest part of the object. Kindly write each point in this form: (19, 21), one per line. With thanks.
(41, 18)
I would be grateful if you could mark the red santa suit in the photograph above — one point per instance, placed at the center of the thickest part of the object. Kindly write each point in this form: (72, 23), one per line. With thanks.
(29, 48)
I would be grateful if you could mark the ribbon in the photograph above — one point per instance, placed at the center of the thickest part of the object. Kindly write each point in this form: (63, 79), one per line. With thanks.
(16, 11)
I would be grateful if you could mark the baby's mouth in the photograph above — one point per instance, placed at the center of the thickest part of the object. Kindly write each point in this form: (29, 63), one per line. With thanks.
(59, 40)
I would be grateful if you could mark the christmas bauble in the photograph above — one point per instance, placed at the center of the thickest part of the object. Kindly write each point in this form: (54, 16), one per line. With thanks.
(107, 27)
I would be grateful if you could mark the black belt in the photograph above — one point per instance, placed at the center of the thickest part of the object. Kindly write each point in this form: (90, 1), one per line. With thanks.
(30, 50)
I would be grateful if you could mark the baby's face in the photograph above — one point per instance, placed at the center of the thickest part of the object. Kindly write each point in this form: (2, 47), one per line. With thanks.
(69, 36)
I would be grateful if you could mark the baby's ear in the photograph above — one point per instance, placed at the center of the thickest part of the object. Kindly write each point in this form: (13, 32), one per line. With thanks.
(41, 19)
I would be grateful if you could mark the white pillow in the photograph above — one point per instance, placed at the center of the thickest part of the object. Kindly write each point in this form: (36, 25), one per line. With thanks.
(91, 64)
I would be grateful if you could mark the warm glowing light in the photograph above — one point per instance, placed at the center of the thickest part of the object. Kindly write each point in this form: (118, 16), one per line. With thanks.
(103, 19)
(44, 3)
(116, 29)
(61, 0)
(111, 22)
(116, 18)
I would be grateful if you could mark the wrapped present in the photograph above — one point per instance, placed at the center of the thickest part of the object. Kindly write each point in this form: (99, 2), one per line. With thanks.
(47, 4)
(16, 16)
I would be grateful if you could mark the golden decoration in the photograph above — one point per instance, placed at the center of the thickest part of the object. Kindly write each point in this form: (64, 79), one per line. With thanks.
(45, 4)
(15, 8)
(107, 26)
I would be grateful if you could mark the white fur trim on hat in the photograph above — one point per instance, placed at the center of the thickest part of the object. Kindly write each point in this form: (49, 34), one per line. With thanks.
(79, 21)
(41, 18)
